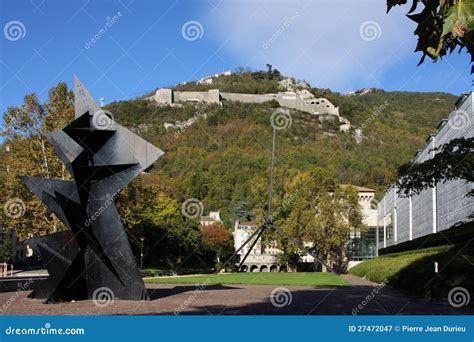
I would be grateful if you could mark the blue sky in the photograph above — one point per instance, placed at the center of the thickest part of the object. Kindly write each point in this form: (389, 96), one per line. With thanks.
(342, 45)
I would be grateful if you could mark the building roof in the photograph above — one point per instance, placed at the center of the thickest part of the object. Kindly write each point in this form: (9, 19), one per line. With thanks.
(360, 188)
(248, 223)
(364, 189)
(207, 218)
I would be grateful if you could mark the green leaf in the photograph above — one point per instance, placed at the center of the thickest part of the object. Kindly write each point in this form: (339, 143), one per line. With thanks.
(462, 11)
(450, 20)
(466, 14)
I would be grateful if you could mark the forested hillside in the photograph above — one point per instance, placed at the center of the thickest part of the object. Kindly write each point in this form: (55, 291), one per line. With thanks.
(224, 156)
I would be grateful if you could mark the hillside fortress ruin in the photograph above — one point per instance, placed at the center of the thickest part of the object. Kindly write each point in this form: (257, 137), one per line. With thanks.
(302, 100)
(295, 97)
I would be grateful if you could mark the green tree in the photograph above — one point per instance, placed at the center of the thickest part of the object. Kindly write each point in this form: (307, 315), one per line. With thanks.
(443, 26)
(315, 210)
(242, 211)
(6, 246)
(25, 132)
(149, 213)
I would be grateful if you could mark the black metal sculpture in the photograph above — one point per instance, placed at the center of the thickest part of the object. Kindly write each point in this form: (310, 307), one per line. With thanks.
(94, 253)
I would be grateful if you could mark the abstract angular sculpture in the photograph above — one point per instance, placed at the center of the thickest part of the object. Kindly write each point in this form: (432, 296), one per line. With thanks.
(94, 253)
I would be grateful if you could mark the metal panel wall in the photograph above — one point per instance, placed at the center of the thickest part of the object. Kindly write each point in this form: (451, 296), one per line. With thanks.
(434, 209)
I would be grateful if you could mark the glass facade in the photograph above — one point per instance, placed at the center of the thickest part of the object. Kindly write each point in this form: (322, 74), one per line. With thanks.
(364, 246)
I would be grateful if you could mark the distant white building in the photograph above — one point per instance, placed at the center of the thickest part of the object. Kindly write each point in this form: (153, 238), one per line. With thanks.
(213, 217)
(261, 258)
(209, 79)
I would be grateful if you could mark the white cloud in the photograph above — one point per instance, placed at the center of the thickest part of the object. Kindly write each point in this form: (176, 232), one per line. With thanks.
(319, 41)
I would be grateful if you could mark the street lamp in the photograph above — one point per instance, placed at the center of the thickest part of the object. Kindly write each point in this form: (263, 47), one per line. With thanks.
(141, 253)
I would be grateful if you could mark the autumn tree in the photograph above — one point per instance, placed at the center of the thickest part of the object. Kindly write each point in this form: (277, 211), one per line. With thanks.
(216, 240)
(27, 152)
(315, 214)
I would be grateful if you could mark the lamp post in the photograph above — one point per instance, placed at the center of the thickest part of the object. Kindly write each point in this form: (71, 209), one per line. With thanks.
(141, 253)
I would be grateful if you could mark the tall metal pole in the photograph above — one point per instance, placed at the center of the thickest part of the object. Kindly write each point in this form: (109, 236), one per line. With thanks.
(268, 220)
(141, 253)
(270, 182)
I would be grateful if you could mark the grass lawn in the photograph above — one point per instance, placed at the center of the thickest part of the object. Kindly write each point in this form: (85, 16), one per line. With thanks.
(413, 271)
(270, 278)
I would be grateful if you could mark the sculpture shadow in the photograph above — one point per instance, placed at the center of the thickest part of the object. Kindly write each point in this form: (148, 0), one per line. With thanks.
(164, 292)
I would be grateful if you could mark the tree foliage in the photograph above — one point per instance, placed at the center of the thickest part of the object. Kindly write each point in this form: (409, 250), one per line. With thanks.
(27, 152)
(316, 214)
(223, 158)
(149, 213)
(216, 241)
(443, 26)
(453, 160)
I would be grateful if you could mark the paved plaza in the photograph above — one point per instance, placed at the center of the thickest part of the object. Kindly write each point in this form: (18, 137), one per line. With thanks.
(168, 299)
